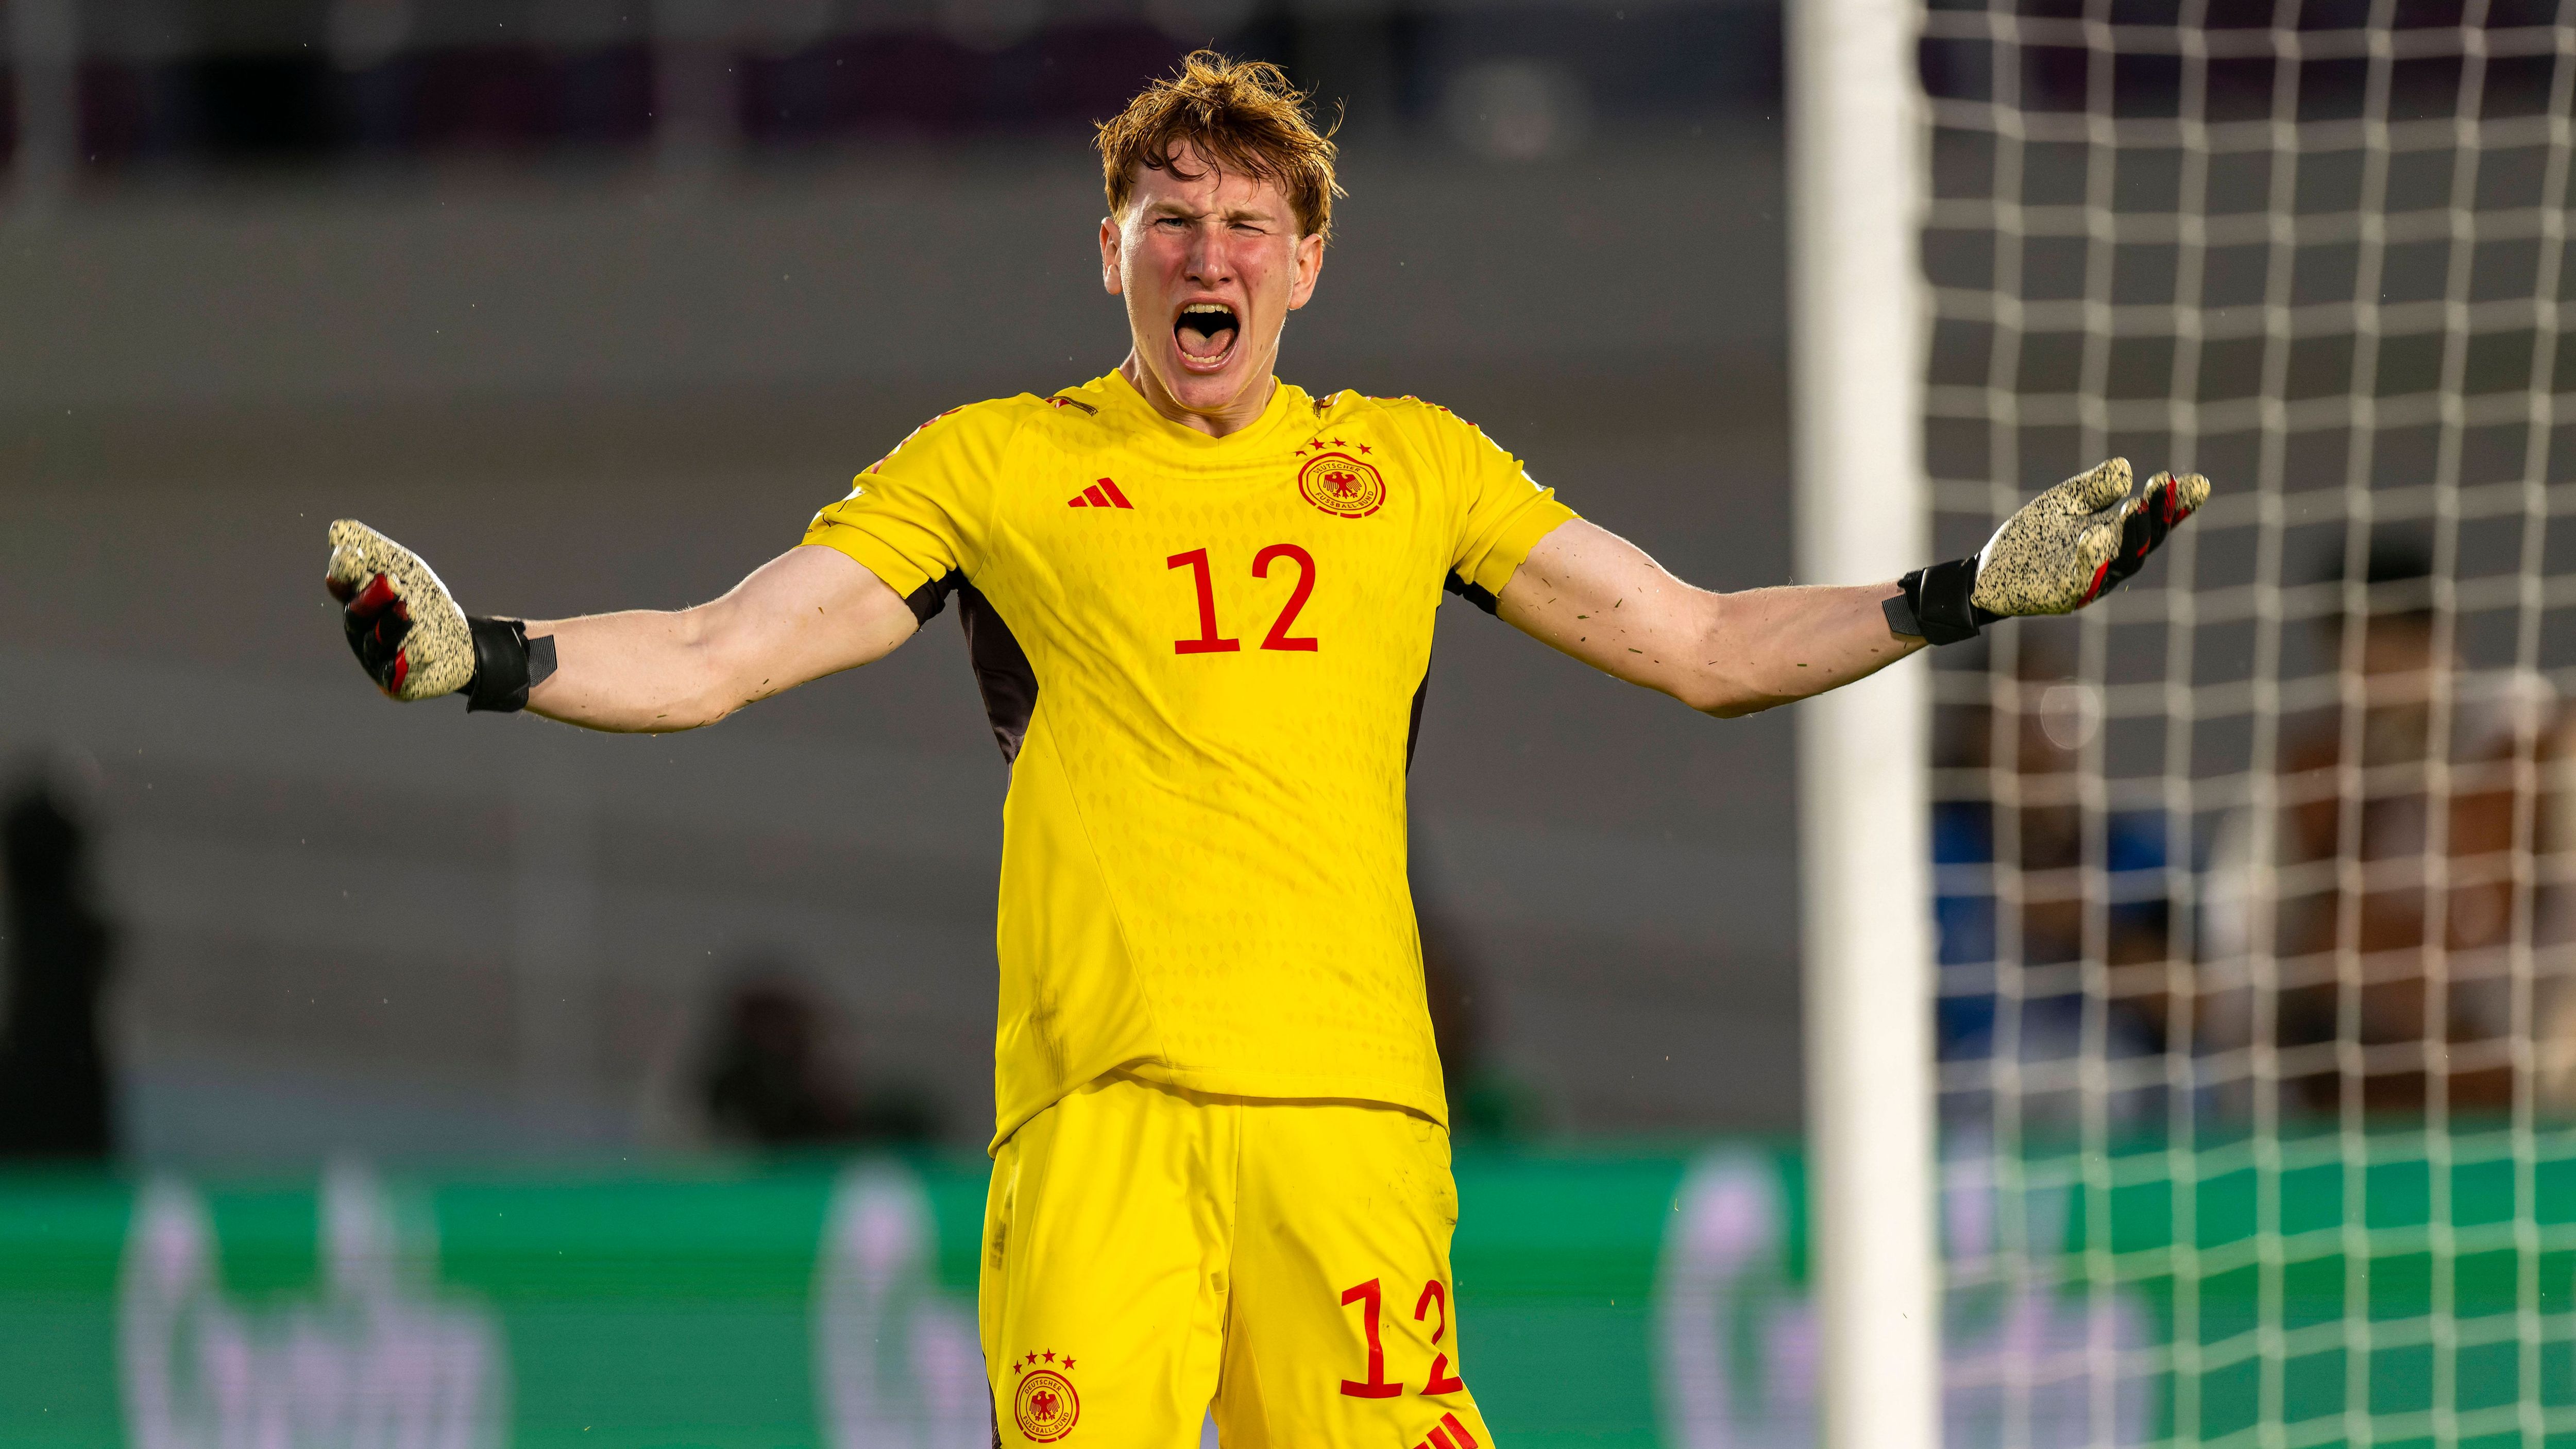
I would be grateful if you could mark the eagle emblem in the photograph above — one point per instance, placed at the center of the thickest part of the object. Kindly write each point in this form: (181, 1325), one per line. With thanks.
(1046, 1406)
(1342, 485)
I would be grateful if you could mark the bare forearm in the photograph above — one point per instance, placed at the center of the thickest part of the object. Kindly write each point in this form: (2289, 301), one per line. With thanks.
(1767, 647)
(1599, 598)
(639, 671)
(807, 613)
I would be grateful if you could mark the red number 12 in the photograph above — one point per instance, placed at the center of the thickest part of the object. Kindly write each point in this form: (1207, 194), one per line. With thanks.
(1370, 1297)
(1210, 642)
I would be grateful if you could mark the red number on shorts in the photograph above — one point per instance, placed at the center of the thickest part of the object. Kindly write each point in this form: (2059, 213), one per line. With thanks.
(1441, 1381)
(1368, 1296)
(1279, 636)
(1207, 642)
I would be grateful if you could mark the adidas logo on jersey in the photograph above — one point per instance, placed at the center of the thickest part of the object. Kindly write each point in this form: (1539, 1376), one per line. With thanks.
(1457, 1436)
(1103, 494)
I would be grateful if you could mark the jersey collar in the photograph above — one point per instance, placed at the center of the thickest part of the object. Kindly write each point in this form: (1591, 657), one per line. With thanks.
(1287, 403)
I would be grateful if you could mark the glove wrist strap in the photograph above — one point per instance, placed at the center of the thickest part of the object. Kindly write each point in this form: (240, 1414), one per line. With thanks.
(1935, 605)
(507, 664)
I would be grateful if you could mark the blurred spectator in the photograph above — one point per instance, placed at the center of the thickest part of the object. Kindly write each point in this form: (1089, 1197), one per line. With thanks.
(2015, 900)
(2395, 895)
(54, 1092)
(1485, 1101)
(771, 1080)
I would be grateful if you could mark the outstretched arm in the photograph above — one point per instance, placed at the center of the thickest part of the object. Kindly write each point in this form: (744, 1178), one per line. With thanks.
(809, 612)
(1598, 597)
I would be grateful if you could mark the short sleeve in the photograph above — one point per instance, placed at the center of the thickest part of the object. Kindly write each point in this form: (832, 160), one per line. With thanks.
(1503, 513)
(914, 516)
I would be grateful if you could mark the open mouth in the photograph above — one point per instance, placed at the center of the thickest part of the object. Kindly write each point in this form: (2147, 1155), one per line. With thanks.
(1206, 332)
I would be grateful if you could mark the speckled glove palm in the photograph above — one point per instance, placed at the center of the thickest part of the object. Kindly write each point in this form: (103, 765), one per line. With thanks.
(413, 640)
(2057, 553)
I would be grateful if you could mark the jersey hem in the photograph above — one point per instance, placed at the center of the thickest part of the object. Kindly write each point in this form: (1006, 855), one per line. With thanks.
(1260, 1086)
(1298, 1087)
(1007, 1122)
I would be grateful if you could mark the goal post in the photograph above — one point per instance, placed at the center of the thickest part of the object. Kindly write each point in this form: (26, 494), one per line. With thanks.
(1855, 140)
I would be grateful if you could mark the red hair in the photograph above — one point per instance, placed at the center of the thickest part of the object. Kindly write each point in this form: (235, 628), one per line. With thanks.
(1240, 115)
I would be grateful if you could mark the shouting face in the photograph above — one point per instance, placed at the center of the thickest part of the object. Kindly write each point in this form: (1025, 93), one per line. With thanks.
(1211, 264)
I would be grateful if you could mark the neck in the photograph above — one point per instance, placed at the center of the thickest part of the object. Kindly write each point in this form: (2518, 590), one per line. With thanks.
(1234, 417)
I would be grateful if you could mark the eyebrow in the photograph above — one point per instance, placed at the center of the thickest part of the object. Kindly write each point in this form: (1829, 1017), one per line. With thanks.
(1236, 213)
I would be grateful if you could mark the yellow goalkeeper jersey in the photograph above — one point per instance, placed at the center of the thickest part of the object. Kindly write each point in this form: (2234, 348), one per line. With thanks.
(1205, 660)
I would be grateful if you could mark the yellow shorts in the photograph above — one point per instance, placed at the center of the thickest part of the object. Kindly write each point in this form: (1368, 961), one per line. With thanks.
(1151, 1253)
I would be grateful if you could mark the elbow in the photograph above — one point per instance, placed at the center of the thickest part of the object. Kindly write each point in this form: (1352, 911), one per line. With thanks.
(1728, 685)
(723, 695)
(692, 711)
(1715, 688)
(1724, 697)
(717, 683)
(1732, 704)
(697, 714)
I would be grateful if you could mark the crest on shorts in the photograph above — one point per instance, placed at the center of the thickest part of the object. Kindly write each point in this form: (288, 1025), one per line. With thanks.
(1342, 485)
(1044, 1404)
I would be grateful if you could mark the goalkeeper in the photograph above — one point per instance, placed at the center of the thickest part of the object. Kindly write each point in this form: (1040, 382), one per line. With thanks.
(1199, 603)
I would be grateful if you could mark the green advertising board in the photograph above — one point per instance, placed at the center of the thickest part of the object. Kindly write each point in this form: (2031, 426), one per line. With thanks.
(1607, 1298)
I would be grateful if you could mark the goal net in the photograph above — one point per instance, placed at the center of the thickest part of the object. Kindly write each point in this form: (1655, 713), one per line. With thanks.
(2257, 884)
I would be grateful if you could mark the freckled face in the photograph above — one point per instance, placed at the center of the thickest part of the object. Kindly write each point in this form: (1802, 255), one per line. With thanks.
(1210, 264)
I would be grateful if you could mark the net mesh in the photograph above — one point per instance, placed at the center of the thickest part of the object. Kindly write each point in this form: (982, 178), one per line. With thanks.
(2256, 1008)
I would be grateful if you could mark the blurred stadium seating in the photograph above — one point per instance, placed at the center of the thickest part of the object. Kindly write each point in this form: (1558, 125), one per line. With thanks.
(467, 272)
(594, 303)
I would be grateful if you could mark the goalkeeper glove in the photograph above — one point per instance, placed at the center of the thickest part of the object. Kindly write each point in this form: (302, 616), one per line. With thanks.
(2061, 551)
(411, 638)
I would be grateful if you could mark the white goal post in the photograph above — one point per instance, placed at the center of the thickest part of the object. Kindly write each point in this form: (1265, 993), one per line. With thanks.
(1857, 349)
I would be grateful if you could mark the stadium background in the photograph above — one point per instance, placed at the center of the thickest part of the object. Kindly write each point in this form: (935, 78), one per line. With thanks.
(415, 1130)
(454, 281)
(593, 304)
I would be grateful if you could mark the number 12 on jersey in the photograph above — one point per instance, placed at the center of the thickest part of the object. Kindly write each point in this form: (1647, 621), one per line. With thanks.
(1209, 641)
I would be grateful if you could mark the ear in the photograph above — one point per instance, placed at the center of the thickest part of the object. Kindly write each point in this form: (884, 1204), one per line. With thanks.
(1110, 281)
(1310, 266)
